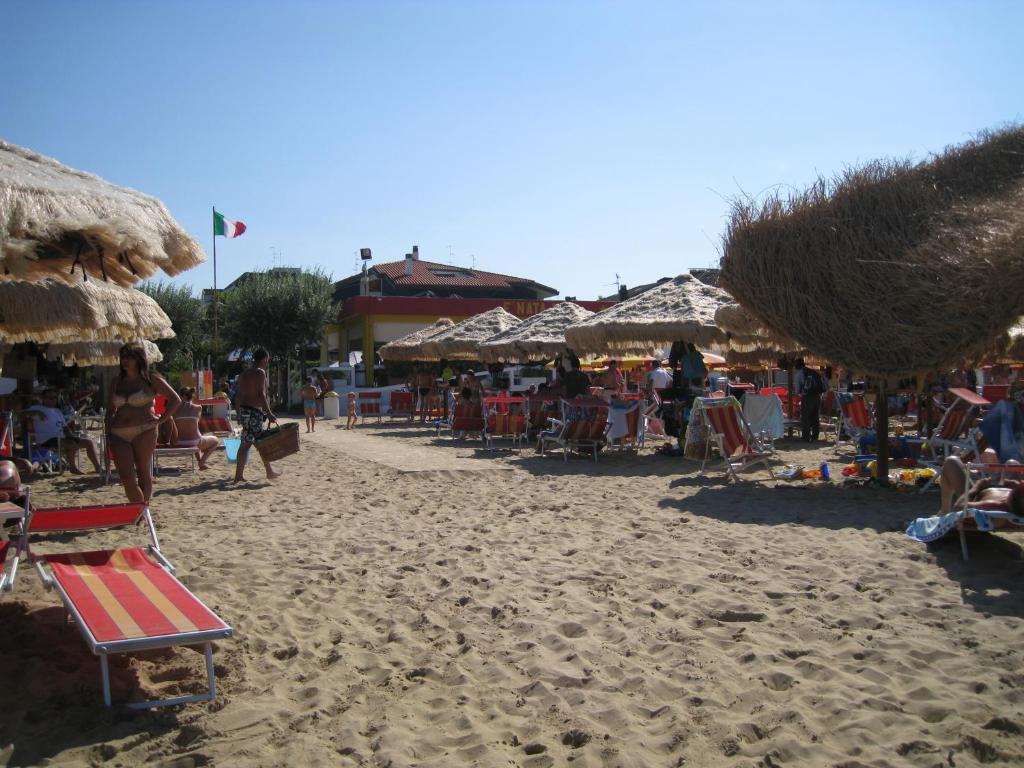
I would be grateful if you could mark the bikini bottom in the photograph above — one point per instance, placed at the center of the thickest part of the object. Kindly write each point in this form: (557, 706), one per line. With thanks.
(194, 443)
(128, 434)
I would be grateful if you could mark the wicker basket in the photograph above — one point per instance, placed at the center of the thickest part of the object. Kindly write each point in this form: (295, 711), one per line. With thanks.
(278, 442)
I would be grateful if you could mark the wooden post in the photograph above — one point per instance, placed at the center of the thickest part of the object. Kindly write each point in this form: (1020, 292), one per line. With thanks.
(882, 435)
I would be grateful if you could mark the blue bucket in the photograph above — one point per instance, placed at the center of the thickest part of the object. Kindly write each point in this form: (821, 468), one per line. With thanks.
(231, 446)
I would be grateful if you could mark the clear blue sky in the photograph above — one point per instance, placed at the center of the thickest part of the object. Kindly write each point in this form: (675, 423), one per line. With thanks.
(562, 141)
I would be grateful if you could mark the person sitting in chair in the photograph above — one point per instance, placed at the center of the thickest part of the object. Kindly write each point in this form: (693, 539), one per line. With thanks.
(186, 422)
(51, 427)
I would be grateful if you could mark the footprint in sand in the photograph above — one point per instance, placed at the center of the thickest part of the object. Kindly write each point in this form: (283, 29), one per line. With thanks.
(572, 629)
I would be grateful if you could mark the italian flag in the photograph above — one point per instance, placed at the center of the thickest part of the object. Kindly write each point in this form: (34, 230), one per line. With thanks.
(225, 227)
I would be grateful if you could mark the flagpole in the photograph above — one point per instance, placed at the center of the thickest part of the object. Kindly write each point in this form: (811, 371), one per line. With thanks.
(213, 223)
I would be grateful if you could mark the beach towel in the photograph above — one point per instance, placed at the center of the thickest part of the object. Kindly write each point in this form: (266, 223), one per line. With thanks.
(929, 529)
(764, 414)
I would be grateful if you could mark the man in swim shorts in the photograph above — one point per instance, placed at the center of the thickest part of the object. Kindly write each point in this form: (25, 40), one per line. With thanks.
(253, 409)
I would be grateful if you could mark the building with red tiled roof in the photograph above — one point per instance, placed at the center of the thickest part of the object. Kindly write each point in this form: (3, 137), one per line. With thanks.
(395, 298)
(413, 277)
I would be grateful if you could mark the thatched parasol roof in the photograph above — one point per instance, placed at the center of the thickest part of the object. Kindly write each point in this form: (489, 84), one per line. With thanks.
(410, 347)
(462, 341)
(51, 215)
(680, 309)
(50, 311)
(541, 335)
(97, 352)
(893, 268)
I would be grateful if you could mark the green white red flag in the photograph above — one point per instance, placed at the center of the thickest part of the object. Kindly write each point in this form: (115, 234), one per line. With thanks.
(225, 227)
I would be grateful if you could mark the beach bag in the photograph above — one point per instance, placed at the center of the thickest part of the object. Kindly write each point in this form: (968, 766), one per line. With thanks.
(277, 442)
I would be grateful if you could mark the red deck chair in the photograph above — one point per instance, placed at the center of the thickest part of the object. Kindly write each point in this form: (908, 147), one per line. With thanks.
(583, 426)
(855, 419)
(369, 405)
(633, 438)
(955, 431)
(124, 600)
(467, 417)
(729, 432)
(505, 419)
(403, 404)
(213, 419)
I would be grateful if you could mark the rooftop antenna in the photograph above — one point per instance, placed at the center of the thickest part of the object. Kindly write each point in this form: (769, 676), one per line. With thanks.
(472, 258)
(616, 283)
(449, 255)
(355, 261)
(275, 254)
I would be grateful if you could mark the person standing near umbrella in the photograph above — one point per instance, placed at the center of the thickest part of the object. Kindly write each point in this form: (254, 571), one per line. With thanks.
(131, 422)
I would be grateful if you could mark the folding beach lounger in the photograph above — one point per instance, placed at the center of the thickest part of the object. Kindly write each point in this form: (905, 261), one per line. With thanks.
(14, 506)
(583, 427)
(369, 406)
(967, 518)
(728, 431)
(124, 600)
(855, 419)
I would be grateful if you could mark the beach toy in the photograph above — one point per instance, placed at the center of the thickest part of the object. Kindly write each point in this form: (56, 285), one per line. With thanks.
(231, 446)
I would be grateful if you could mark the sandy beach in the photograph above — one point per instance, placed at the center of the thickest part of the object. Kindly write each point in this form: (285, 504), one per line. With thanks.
(403, 600)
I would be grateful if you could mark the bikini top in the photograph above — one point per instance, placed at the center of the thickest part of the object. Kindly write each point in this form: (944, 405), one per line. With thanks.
(140, 399)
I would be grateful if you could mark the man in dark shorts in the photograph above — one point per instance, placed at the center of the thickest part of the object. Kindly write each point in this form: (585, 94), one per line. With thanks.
(253, 410)
(425, 386)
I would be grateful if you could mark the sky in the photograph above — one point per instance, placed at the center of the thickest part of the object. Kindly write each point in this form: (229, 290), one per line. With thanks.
(574, 143)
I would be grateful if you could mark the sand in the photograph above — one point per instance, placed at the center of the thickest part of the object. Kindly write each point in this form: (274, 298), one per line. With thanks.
(493, 609)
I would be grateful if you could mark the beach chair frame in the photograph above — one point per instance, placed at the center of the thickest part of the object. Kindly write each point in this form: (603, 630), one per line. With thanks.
(854, 418)
(50, 568)
(504, 424)
(9, 575)
(975, 474)
(52, 579)
(955, 432)
(583, 426)
(730, 434)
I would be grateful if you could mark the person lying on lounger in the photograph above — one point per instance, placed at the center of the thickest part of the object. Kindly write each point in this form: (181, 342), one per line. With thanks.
(1007, 496)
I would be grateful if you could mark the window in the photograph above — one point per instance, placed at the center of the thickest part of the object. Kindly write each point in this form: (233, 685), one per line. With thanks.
(453, 273)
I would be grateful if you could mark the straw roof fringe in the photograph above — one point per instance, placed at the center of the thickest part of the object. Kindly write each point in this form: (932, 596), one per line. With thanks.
(50, 311)
(462, 341)
(681, 309)
(98, 352)
(891, 269)
(50, 214)
(410, 346)
(539, 336)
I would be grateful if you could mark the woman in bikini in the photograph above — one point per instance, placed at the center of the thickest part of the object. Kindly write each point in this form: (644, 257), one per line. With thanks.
(187, 423)
(131, 423)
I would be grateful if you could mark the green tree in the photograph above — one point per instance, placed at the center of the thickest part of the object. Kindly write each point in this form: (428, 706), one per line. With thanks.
(188, 319)
(286, 313)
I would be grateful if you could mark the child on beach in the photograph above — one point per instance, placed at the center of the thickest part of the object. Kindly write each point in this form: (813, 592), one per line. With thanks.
(351, 410)
(309, 394)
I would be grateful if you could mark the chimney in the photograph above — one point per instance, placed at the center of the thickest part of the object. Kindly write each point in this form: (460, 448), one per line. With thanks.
(415, 253)
(409, 259)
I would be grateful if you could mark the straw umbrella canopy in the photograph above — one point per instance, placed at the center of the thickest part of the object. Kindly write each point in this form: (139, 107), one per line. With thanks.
(97, 352)
(750, 344)
(462, 341)
(891, 269)
(55, 219)
(539, 336)
(410, 347)
(53, 312)
(680, 309)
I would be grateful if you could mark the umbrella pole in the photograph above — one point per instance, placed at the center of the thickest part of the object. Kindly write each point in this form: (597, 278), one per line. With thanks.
(882, 435)
(789, 397)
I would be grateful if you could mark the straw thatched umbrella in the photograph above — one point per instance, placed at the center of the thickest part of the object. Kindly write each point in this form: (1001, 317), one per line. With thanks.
(97, 352)
(930, 257)
(539, 336)
(410, 347)
(680, 309)
(891, 269)
(50, 311)
(54, 219)
(462, 341)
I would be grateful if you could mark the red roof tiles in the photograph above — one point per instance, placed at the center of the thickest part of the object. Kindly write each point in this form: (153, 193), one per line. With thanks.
(431, 274)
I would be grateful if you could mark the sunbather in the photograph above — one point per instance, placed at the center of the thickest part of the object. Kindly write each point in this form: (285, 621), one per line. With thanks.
(1007, 496)
(188, 435)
